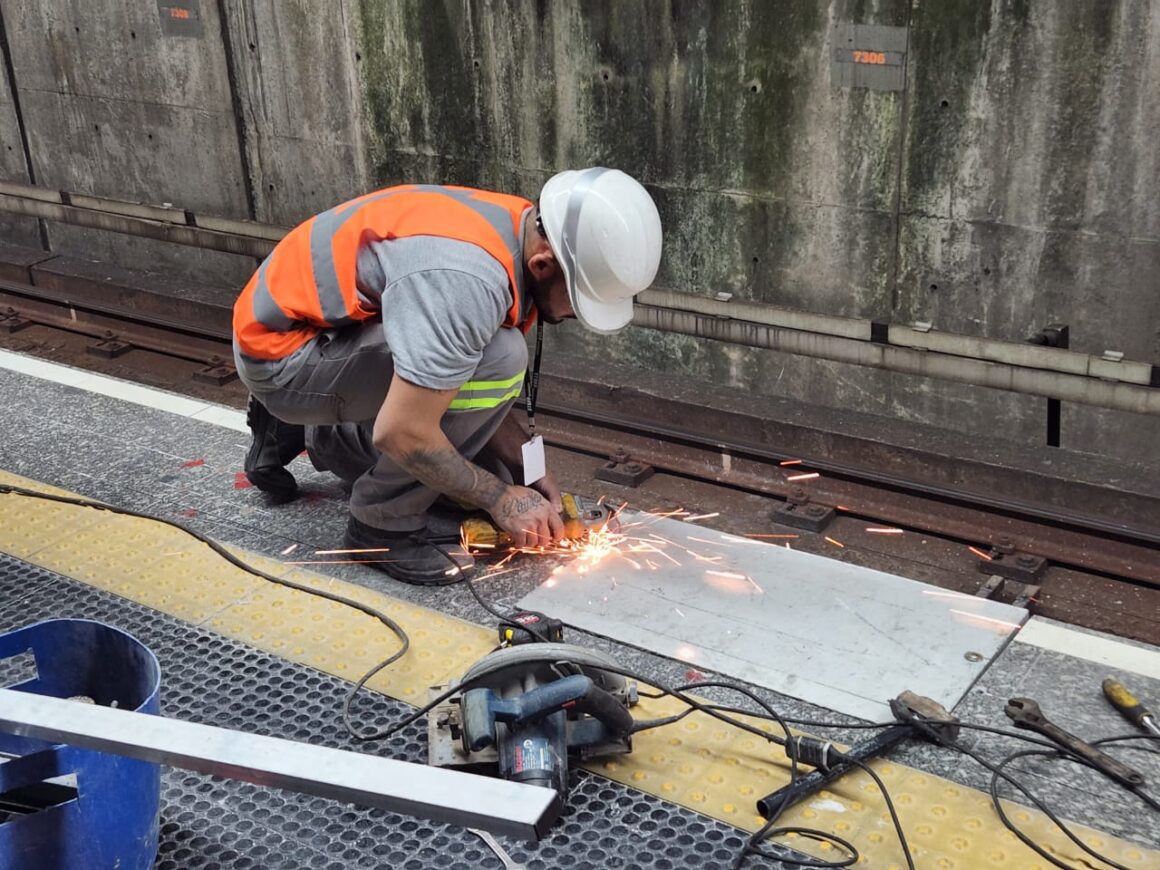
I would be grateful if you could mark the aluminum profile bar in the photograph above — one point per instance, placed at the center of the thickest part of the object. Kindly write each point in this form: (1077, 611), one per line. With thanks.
(451, 797)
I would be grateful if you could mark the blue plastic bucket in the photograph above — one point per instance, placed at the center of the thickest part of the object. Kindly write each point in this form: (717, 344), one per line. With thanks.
(65, 808)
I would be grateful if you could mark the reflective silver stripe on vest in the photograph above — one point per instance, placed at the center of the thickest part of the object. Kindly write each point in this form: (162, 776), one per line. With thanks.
(572, 218)
(327, 224)
(498, 217)
(330, 300)
(266, 310)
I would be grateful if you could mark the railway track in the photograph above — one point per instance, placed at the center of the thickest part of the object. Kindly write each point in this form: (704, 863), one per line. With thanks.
(1098, 567)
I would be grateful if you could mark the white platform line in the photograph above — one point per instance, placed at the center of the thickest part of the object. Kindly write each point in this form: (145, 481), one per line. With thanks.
(115, 388)
(1081, 645)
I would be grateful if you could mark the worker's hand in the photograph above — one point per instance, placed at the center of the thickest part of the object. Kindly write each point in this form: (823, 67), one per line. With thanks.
(528, 517)
(549, 489)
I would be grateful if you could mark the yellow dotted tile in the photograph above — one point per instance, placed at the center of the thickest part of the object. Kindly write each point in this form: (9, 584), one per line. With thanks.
(710, 768)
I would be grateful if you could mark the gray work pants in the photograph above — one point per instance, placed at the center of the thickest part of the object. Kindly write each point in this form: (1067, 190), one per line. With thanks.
(336, 391)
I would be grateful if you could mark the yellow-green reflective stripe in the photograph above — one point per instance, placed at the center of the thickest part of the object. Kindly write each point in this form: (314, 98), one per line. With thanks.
(473, 386)
(491, 402)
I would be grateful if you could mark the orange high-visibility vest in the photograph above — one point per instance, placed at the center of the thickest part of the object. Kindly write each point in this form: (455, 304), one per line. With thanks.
(307, 284)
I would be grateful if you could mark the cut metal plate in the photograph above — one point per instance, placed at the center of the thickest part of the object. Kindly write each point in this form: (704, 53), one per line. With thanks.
(837, 635)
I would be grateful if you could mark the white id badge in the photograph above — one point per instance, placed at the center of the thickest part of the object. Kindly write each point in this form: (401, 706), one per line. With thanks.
(535, 465)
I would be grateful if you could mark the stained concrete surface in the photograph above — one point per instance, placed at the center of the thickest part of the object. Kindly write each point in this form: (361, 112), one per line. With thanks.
(1007, 188)
(187, 471)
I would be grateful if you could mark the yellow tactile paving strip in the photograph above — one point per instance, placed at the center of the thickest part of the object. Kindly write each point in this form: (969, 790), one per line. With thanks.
(698, 763)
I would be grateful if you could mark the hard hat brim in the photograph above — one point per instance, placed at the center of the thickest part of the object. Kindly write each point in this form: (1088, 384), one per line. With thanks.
(603, 317)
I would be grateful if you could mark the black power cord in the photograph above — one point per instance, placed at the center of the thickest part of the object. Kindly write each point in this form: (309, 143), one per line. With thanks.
(399, 632)
(720, 712)
(998, 772)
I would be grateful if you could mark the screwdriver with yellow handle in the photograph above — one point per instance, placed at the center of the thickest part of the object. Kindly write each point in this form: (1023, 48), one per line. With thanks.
(1130, 708)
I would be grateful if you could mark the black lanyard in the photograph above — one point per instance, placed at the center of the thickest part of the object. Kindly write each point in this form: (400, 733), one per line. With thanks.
(534, 377)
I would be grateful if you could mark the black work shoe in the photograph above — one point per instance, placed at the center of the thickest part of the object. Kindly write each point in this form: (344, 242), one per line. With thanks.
(274, 446)
(409, 556)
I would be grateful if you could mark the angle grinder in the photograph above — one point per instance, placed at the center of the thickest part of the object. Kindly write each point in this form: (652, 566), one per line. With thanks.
(526, 710)
(581, 516)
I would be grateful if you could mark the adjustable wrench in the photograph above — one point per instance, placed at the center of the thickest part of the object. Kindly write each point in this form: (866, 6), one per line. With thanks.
(1025, 713)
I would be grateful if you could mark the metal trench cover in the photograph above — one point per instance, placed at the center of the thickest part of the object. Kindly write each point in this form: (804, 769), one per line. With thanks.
(837, 635)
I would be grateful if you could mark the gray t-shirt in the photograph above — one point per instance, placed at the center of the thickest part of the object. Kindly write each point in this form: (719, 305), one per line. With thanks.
(442, 304)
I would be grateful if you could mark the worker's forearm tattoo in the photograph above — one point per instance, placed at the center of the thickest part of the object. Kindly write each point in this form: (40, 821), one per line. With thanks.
(446, 471)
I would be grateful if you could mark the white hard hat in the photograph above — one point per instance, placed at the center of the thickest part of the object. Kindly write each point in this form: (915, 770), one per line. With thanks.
(605, 232)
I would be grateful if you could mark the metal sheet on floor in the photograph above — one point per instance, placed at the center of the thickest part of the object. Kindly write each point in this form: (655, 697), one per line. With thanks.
(834, 634)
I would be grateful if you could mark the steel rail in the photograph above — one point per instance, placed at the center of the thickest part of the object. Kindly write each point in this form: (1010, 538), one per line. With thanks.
(1063, 537)
(1066, 537)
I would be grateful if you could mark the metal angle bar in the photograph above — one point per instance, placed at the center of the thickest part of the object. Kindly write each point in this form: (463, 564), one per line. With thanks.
(170, 223)
(758, 312)
(232, 243)
(446, 796)
(1083, 389)
(952, 344)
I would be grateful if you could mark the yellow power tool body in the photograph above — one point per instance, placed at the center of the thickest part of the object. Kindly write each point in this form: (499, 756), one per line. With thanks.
(581, 516)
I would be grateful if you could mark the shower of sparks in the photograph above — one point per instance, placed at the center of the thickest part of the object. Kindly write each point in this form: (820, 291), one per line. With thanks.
(347, 552)
(791, 462)
(289, 549)
(701, 558)
(980, 553)
(492, 572)
(996, 622)
(809, 476)
(836, 543)
(627, 539)
(883, 531)
(677, 609)
(947, 594)
(728, 575)
(340, 562)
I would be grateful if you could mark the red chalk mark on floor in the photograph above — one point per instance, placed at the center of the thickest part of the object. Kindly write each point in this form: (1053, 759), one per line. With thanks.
(193, 463)
(241, 481)
(693, 676)
(188, 512)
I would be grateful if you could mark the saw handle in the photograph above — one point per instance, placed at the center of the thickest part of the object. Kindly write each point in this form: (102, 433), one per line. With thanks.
(482, 708)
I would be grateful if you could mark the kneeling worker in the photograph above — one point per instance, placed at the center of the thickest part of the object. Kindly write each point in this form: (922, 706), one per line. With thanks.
(387, 336)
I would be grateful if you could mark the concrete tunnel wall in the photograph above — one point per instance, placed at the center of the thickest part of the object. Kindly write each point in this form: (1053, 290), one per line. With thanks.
(1011, 185)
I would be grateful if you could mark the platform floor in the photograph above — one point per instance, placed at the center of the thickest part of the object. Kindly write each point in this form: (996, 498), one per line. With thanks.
(183, 463)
